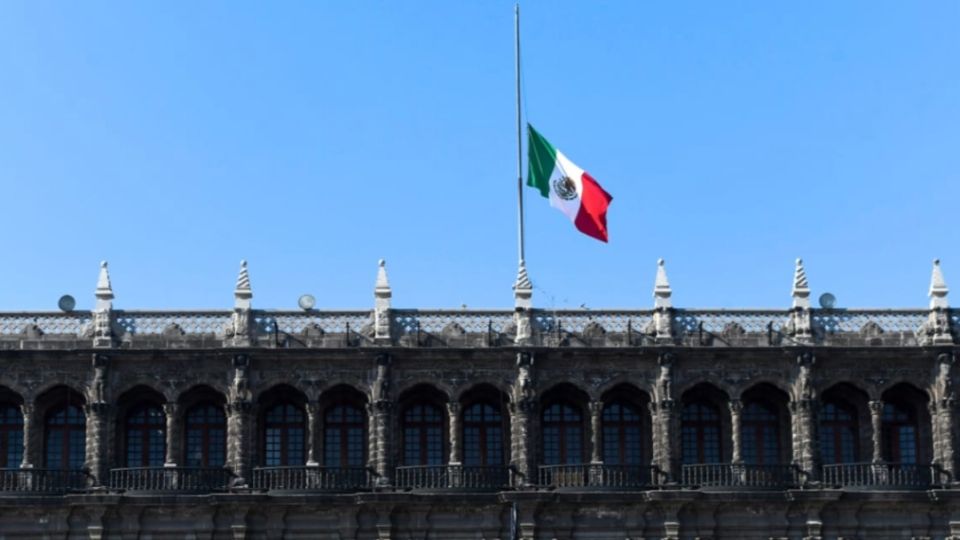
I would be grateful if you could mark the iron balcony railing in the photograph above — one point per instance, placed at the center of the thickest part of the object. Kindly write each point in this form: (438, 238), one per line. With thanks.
(601, 476)
(884, 475)
(49, 481)
(311, 478)
(159, 479)
(741, 475)
(466, 477)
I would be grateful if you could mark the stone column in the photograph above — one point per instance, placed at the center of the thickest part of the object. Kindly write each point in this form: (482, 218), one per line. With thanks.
(454, 422)
(29, 446)
(172, 410)
(876, 421)
(736, 407)
(313, 433)
(239, 424)
(665, 420)
(99, 416)
(805, 447)
(380, 439)
(521, 446)
(596, 442)
(943, 429)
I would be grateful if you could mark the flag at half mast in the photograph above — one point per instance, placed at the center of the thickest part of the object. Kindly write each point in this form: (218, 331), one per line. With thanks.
(570, 189)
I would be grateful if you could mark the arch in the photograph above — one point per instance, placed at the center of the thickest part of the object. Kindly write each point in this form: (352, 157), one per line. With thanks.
(626, 432)
(765, 435)
(485, 425)
(490, 388)
(423, 426)
(563, 424)
(906, 436)
(704, 425)
(141, 427)
(625, 381)
(282, 426)
(436, 388)
(201, 393)
(344, 427)
(11, 428)
(64, 427)
(844, 424)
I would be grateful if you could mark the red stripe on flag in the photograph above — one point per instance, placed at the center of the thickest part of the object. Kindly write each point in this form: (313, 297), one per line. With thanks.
(592, 217)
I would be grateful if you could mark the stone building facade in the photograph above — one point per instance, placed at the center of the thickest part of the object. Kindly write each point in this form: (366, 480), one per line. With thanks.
(389, 423)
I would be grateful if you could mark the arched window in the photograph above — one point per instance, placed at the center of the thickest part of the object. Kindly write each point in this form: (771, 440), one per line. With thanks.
(343, 436)
(838, 433)
(206, 436)
(146, 429)
(482, 435)
(562, 434)
(284, 436)
(65, 438)
(700, 433)
(760, 434)
(622, 432)
(900, 439)
(423, 435)
(11, 436)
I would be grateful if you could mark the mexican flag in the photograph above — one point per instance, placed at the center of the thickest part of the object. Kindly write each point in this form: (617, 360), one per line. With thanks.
(570, 189)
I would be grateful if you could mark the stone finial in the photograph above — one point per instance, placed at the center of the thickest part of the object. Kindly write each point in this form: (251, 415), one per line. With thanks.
(938, 288)
(104, 292)
(243, 293)
(523, 288)
(801, 289)
(661, 287)
(381, 303)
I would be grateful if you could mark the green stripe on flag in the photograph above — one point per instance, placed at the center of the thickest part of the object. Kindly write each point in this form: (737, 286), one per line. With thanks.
(541, 159)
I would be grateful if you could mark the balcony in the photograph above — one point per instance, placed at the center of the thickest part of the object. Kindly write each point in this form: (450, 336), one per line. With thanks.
(884, 475)
(739, 475)
(311, 478)
(478, 478)
(170, 479)
(42, 481)
(630, 477)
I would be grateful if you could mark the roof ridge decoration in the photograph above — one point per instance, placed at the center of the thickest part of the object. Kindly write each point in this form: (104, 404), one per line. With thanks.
(381, 303)
(938, 288)
(801, 287)
(661, 287)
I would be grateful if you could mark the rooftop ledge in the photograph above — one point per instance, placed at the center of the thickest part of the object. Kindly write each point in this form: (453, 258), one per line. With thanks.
(523, 325)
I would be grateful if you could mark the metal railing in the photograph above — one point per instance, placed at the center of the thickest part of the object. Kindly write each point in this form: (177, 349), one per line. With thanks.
(52, 481)
(311, 478)
(885, 475)
(192, 479)
(600, 476)
(465, 477)
(734, 475)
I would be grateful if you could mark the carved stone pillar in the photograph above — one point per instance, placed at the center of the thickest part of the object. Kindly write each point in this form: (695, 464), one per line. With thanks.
(596, 442)
(521, 414)
(99, 417)
(30, 433)
(239, 424)
(943, 429)
(736, 408)
(313, 433)
(665, 419)
(876, 421)
(453, 419)
(805, 447)
(172, 412)
(380, 441)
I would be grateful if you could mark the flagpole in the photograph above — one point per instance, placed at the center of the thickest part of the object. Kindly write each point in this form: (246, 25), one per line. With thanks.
(516, 22)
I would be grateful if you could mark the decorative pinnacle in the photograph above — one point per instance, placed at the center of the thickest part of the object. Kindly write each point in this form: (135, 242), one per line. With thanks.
(243, 292)
(523, 280)
(382, 288)
(801, 288)
(938, 287)
(522, 288)
(661, 287)
(104, 292)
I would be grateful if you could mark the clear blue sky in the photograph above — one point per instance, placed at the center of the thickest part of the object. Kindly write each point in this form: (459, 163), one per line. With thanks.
(313, 138)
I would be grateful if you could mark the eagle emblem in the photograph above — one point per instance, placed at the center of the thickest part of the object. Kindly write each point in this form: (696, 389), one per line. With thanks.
(565, 188)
